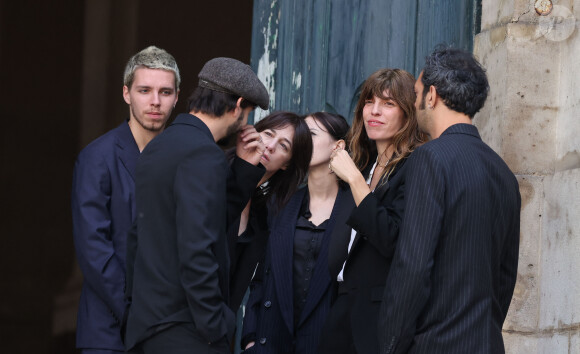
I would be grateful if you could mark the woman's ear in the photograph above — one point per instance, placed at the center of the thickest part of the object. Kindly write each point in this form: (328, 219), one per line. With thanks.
(340, 144)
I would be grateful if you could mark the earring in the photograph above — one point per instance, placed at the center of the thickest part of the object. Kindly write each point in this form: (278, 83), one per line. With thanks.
(430, 106)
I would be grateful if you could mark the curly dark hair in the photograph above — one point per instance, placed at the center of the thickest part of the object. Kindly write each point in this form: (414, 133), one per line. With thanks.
(458, 77)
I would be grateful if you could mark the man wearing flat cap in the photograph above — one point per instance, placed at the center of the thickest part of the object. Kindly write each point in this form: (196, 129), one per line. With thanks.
(186, 194)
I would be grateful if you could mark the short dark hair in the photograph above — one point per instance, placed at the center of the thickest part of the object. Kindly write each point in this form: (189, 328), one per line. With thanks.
(284, 183)
(458, 77)
(213, 102)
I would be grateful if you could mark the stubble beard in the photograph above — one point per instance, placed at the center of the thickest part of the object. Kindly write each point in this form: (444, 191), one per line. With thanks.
(152, 127)
(422, 115)
(235, 126)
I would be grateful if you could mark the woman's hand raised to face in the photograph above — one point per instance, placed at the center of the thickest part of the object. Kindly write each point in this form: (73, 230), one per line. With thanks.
(342, 165)
(249, 145)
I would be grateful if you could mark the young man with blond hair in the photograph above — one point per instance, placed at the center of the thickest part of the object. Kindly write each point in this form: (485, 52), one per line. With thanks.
(103, 197)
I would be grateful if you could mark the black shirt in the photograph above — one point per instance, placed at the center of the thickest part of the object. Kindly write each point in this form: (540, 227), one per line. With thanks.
(307, 244)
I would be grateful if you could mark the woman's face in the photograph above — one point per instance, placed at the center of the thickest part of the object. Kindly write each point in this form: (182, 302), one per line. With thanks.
(322, 143)
(278, 148)
(383, 118)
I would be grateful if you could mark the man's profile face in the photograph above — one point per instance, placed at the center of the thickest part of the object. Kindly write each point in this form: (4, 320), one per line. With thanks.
(151, 97)
(422, 114)
(241, 121)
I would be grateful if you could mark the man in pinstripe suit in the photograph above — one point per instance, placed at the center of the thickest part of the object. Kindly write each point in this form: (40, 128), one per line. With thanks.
(455, 264)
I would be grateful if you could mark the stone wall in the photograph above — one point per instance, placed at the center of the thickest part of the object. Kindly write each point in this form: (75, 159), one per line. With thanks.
(532, 119)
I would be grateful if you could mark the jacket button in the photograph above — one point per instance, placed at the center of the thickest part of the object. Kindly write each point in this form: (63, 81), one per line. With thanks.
(262, 341)
(267, 304)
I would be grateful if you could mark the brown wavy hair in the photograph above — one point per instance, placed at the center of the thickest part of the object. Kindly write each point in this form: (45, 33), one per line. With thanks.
(400, 86)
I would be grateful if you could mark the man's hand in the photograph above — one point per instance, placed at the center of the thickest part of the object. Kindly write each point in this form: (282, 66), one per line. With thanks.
(249, 145)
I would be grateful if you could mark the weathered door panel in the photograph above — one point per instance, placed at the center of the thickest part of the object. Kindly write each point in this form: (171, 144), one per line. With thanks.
(313, 55)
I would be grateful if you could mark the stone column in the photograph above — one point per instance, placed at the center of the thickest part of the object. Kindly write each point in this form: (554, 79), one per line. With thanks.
(531, 50)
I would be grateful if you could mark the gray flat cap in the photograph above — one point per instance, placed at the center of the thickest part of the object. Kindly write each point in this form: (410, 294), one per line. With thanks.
(234, 77)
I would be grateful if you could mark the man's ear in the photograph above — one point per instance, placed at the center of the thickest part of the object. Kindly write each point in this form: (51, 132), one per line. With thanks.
(126, 95)
(433, 98)
(239, 109)
(176, 98)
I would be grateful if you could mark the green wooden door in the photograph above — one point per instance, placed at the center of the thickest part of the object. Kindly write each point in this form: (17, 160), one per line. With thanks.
(314, 54)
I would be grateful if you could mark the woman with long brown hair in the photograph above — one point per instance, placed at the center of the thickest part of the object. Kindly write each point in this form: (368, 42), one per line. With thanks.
(383, 134)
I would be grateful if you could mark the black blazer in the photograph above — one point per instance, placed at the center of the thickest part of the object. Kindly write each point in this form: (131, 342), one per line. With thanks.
(377, 220)
(178, 266)
(455, 265)
(270, 310)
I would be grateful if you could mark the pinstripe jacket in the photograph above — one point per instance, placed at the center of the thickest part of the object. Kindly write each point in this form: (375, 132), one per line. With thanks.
(455, 263)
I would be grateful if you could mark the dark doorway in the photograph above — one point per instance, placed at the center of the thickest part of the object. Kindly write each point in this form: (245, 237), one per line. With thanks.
(61, 66)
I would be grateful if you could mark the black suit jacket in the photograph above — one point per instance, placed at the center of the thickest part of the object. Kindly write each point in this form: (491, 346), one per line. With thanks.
(455, 265)
(270, 310)
(376, 220)
(178, 268)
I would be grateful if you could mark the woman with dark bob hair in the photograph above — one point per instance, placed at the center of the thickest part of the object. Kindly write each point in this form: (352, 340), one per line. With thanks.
(291, 293)
(288, 146)
(383, 134)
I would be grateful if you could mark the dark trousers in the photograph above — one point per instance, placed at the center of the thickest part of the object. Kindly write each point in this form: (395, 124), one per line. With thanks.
(180, 339)
(336, 337)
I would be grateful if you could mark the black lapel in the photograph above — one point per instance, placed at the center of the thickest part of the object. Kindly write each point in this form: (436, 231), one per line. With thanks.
(321, 277)
(380, 192)
(282, 253)
(340, 237)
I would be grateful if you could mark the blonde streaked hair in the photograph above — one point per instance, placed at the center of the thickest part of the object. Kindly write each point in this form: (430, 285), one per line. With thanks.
(152, 58)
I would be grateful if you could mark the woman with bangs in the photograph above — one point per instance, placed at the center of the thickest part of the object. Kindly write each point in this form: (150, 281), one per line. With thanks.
(383, 134)
(291, 293)
(288, 145)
